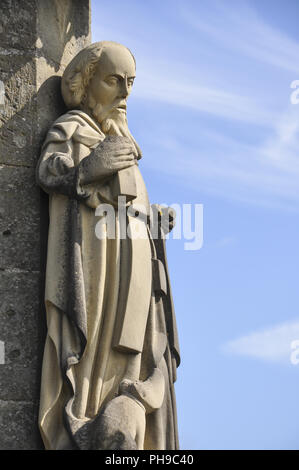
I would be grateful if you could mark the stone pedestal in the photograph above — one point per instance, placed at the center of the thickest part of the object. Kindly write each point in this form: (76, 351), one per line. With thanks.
(37, 39)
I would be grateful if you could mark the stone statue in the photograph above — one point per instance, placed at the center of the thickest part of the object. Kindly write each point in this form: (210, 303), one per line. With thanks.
(111, 350)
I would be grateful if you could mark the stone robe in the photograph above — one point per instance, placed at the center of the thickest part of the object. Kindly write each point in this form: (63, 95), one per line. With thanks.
(93, 286)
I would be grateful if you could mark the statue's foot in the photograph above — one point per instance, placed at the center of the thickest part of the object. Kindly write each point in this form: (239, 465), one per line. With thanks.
(120, 425)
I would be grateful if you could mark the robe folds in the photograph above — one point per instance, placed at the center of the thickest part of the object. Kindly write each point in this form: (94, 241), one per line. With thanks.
(95, 289)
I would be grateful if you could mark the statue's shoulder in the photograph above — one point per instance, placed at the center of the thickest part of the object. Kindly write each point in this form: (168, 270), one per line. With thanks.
(75, 115)
(73, 123)
(70, 121)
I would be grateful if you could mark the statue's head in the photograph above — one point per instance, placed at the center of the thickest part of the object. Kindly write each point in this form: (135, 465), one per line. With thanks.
(98, 81)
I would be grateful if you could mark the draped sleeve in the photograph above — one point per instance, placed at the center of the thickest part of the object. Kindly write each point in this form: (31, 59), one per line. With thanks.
(56, 171)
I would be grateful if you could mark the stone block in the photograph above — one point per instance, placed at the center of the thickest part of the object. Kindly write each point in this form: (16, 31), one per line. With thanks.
(19, 219)
(18, 426)
(37, 39)
(22, 331)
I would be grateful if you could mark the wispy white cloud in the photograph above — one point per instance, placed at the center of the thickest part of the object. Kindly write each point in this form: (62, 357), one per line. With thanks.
(241, 29)
(229, 168)
(220, 102)
(200, 83)
(271, 344)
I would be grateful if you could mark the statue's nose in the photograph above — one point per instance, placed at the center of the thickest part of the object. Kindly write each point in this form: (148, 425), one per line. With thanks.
(124, 88)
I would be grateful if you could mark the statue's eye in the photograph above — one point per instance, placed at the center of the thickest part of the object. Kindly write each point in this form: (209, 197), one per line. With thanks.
(112, 81)
(130, 83)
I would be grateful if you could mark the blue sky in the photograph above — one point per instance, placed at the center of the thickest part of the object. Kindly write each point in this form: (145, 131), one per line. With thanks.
(211, 111)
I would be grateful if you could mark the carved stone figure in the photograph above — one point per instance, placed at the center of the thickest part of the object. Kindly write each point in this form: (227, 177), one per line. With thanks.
(111, 350)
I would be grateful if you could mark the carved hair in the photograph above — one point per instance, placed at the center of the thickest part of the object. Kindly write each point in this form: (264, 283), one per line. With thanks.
(80, 71)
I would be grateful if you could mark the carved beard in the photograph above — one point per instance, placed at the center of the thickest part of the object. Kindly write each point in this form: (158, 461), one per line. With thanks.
(115, 123)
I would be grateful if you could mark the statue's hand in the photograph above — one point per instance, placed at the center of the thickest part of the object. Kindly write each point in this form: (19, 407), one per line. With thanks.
(166, 217)
(114, 153)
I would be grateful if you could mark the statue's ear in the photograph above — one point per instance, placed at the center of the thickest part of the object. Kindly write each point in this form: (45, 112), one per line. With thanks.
(75, 82)
(73, 89)
(78, 74)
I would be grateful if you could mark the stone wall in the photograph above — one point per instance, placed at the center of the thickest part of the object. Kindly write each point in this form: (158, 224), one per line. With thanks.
(37, 40)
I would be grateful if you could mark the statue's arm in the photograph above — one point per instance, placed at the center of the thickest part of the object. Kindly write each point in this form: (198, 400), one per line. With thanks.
(56, 172)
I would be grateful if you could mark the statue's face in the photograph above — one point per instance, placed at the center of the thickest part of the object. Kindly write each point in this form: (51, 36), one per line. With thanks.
(112, 82)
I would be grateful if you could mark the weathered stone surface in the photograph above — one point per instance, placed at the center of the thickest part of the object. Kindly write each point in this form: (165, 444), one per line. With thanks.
(63, 26)
(19, 218)
(37, 39)
(22, 333)
(18, 117)
(18, 426)
(17, 29)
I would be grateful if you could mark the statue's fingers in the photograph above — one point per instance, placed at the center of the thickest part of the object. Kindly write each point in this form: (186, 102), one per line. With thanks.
(126, 139)
(122, 165)
(128, 150)
(125, 158)
(116, 146)
(118, 140)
